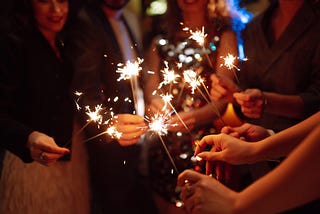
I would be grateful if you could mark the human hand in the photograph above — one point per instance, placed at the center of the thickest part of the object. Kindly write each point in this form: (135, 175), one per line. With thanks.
(202, 194)
(43, 148)
(222, 88)
(185, 122)
(247, 131)
(131, 128)
(224, 148)
(251, 101)
(156, 105)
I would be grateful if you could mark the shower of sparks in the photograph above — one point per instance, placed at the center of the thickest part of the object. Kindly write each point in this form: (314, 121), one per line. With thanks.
(169, 76)
(192, 78)
(158, 124)
(229, 61)
(113, 133)
(95, 115)
(198, 36)
(129, 70)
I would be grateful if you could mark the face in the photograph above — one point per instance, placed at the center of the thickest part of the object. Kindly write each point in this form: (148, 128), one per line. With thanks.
(50, 15)
(192, 5)
(115, 4)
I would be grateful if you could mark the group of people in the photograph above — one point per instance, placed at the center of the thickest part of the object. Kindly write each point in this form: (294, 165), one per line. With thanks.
(51, 49)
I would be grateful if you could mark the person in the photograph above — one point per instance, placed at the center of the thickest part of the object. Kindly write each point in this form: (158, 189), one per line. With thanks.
(106, 36)
(37, 112)
(195, 112)
(278, 191)
(277, 89)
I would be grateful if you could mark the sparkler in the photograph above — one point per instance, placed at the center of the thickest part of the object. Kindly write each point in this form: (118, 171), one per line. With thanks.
(169, 77)
(131, 71)
(158, 125)
(229, 64)
(167, 100)
(195, 80)
(199, 37)
(94, 116)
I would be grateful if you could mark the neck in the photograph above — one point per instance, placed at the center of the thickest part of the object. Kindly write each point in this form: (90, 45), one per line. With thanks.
(288, 8)
(194, 21)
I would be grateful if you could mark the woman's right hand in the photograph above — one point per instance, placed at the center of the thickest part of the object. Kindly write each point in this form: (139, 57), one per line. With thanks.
(43, 148)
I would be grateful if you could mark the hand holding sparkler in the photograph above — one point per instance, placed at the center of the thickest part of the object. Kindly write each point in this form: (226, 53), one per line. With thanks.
(43, 148)
(131, 128)
(222, 88)
(252, 102)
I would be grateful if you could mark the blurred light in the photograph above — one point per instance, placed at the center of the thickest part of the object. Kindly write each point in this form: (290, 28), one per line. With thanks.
(157, 7)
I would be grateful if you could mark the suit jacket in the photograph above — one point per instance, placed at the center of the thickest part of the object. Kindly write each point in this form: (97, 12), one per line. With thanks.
(289, 66)
(113, 169)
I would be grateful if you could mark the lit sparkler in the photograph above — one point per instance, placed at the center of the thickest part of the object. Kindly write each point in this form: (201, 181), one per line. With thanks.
(229, 61)
(195, 80)
(199, 37)
(131, 71)
(94, 116)
(158, 124)
(169, 76)
(167, 100)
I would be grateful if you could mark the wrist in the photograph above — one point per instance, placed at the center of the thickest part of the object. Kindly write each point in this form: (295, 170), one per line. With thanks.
(264, 101)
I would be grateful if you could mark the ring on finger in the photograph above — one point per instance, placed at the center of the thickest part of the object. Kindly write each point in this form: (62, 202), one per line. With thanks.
(42, 156)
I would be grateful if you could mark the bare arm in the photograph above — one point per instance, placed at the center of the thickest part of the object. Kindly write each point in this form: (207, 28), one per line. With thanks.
(292, 184)
(235, 151)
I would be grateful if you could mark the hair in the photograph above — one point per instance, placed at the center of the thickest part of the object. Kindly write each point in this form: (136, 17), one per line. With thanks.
(21, 16)
(218, 14)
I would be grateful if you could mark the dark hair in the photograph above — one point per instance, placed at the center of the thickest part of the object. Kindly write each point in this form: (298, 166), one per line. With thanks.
(19, 15)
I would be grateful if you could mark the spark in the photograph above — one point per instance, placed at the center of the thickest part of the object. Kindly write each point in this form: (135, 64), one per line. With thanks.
(198, 36)
(169, 76)
(129, 70)
(192, 78)
(229, 62)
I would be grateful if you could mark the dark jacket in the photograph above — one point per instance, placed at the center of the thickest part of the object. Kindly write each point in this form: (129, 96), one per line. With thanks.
(289, 66)
(34, 92)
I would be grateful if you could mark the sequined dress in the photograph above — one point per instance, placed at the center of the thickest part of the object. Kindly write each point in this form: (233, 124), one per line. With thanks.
(184, 55)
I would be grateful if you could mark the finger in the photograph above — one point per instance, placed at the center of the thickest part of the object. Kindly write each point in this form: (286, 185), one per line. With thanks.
(129, 118)
(128, 142)
(51, 156)
(226, 129)
(131, 128)
(211, 156)
(188, 176)
(219, 171)
(51, 148)
(209, 167)
(204, 142)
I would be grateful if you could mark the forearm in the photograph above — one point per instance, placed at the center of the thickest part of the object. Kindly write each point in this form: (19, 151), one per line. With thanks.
(284, 105)
(282, 143)
(291, 184)
(209, 112)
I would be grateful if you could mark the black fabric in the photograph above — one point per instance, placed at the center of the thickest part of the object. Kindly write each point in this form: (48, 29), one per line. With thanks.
(35, 92)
